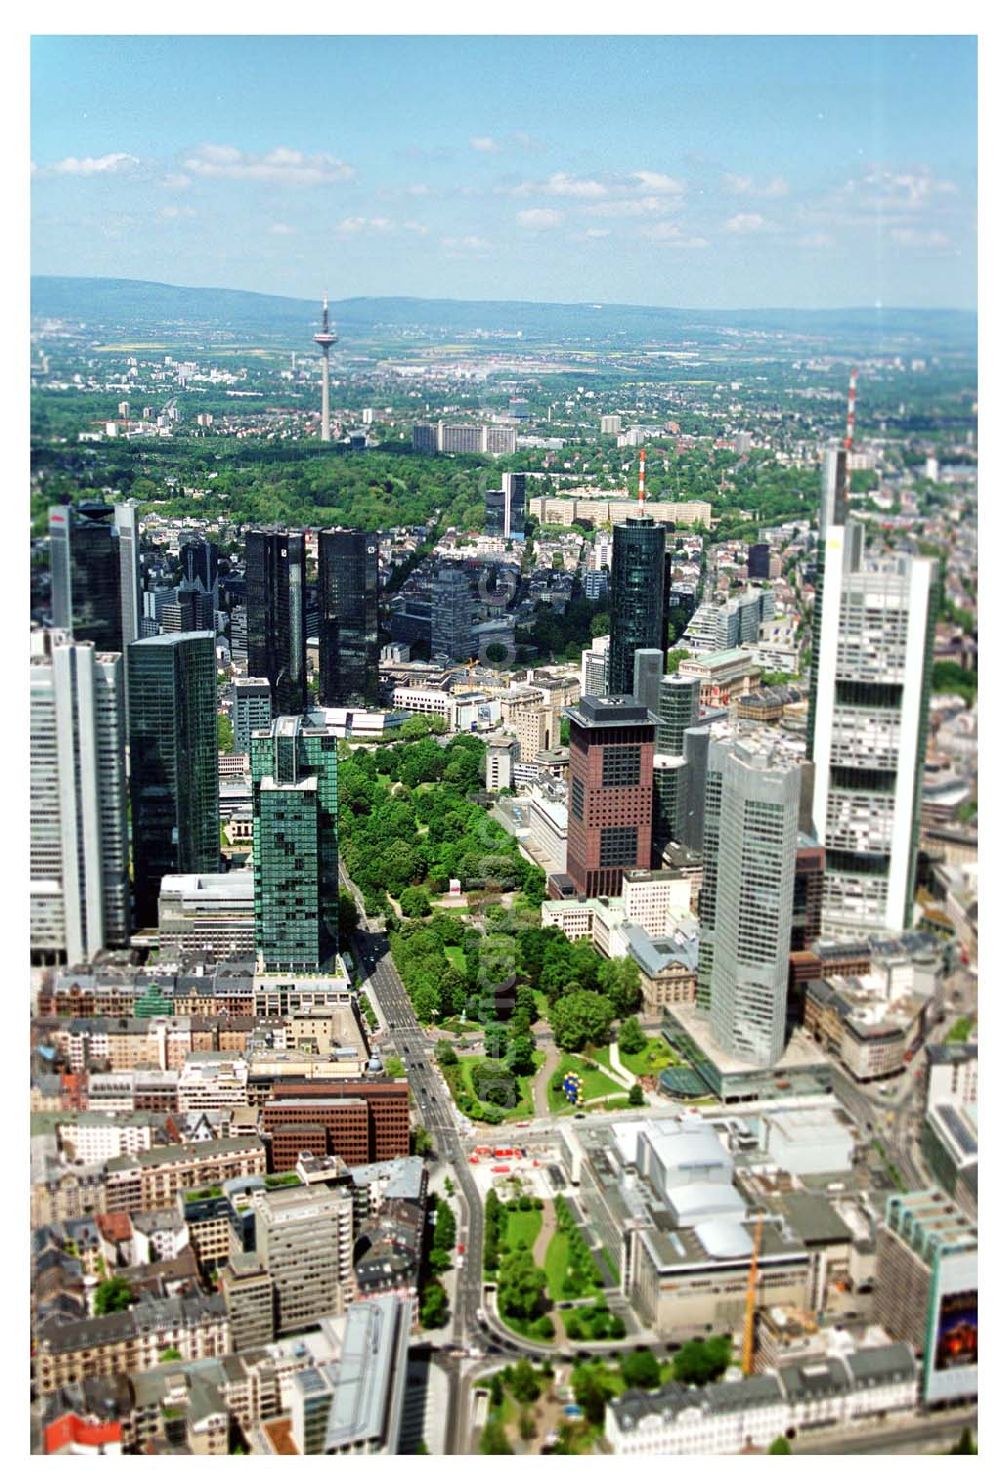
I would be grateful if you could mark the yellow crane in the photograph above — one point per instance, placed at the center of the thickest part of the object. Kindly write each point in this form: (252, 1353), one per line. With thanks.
(751, 1302)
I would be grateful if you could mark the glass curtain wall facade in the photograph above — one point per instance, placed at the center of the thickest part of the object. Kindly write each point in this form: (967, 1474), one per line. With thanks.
(86, 573)
(173, 743)
(296, 878)
(636, 613)
(348, 621)
(276, 615)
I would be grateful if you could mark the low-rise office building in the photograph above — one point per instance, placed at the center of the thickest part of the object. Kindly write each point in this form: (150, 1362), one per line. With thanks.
(206, 913)
(354, 1406)
(749, 1414)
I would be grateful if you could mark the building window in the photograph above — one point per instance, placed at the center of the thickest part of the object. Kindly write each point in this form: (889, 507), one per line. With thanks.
(618, 847)
(577, 801)
(620, 766)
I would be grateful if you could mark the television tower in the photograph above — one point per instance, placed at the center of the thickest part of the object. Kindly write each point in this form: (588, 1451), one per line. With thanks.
(324, 340)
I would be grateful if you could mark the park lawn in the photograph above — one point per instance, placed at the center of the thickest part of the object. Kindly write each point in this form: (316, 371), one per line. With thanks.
(541, 1003)
(523, 1226)
(556, 1264)
(525, 1105)
(456, 957)
(595, 1084)
(656, 1056)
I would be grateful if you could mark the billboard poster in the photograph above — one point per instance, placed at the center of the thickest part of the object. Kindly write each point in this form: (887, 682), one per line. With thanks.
(957, 1343)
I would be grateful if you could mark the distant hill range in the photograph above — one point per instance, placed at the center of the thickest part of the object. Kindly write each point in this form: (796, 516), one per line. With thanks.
(132, 307)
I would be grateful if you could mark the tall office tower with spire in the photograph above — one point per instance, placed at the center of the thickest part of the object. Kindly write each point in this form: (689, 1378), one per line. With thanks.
(276, 615)
(348, 618)
(324, 340)
(127, 525)
(86, 573)
(78, 812)
(174, 762)
(296, 880)
(868, 728)
(752, 811)
(637, 576)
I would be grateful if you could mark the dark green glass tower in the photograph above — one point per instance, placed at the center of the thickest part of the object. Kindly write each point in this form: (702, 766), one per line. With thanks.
(637, 578)
(296, 881)
(348, 631)
(173, 749)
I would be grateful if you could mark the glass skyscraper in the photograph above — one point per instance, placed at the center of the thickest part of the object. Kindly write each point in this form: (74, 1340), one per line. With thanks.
(637, 597)
(173, 749)
(451, 613)
(677, 708)
(86, 573)
(295, 861)
(348, 619)
(276, 615)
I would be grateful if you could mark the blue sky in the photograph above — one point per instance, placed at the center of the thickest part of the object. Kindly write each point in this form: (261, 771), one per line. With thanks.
(692, 171)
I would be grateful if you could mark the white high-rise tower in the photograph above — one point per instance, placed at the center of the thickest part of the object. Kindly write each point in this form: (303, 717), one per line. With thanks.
(79, 828)
(872, 659)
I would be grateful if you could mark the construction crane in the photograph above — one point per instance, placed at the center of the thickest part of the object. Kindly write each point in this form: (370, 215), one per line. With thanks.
(751, 1302)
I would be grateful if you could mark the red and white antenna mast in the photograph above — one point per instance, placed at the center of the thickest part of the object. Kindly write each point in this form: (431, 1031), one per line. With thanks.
(642, 481)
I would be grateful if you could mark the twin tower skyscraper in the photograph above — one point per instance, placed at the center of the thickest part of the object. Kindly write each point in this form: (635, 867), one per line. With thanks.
(348, 602)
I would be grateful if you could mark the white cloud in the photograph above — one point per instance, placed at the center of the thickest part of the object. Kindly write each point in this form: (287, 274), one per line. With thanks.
(593, 232)
(911, 237)
(634, 206)
(352, 225)
(558, 184)
(745, 223)
(418, 190)
(105, 164)
(176, 182)
(891, 198)
(279, 166)
(907, 189)
(539, 219)
(459, 245)
(484, 144)
(281, 229)
(173, 213)
(417, 227)
(668, 234)
(745, 185)
(528, 142)
(815, 239)
(649, 180)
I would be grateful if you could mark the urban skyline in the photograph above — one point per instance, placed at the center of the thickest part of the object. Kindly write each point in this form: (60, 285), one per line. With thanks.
(504, 877)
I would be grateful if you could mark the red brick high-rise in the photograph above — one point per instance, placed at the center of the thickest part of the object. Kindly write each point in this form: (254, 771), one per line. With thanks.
(610, 804)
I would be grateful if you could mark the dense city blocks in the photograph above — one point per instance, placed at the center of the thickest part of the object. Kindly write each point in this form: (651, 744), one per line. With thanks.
(503, 788)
